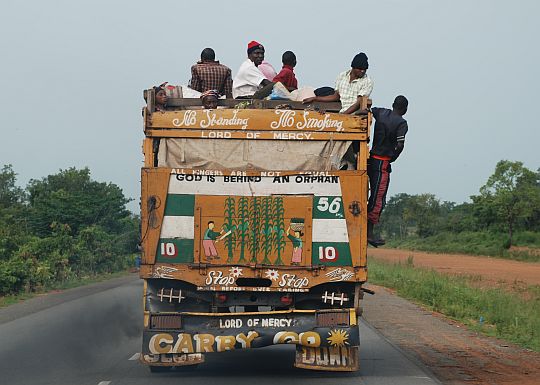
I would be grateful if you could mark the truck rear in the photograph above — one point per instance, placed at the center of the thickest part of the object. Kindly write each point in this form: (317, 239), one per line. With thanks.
(253, 231)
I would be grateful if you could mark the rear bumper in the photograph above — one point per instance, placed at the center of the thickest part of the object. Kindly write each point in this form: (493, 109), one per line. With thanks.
(219, 332)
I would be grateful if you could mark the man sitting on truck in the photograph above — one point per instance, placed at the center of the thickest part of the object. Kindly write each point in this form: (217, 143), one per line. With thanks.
(209, 74)
(388, 143)
(249, 78)
(350, 85)
(210, 99)
(286, 76)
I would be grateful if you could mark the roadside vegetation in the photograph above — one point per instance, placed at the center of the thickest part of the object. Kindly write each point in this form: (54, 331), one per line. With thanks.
(512, 315)
(62, 229)
(503, 220)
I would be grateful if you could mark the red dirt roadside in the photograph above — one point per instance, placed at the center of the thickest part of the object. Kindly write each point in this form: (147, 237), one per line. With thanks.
(495, 270)
(455, 354)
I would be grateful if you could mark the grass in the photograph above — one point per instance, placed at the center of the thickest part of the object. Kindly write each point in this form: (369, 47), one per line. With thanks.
(69, 284)
(476, 243)
(495, 312)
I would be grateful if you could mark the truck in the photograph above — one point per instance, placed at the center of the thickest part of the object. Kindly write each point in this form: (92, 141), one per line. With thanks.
(253, 230)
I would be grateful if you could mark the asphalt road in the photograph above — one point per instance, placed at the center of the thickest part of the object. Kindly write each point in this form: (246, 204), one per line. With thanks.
(91, 336)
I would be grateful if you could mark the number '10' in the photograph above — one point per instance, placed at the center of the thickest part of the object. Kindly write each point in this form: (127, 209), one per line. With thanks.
(327, 253)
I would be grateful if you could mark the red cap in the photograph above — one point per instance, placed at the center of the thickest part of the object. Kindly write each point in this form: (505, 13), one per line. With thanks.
(253, 44)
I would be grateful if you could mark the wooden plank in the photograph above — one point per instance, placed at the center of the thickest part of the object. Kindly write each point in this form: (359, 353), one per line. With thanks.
(155, 183)
(254, 104)
(256, 135)
(200, 274)
(364, 103)
(362, 156)
(260, 120)
(150, 97)
(148, 152)
(352, 191)
(272, 173)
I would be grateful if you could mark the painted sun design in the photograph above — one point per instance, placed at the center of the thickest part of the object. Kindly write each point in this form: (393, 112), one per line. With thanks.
(272, 274)
(338, 337)
(235, 272)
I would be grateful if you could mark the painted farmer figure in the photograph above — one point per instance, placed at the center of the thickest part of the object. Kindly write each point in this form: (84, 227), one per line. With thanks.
(388, 142)
(209, 240)
(297, 246)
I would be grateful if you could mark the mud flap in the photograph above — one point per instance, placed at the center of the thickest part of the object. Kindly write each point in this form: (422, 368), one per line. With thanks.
(340, 358)
(172, 359)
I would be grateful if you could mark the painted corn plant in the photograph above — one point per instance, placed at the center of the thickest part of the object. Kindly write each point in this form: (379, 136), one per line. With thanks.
(230, 224)
(278, 239)
(254, 227)
(267, 229)
(242, 224)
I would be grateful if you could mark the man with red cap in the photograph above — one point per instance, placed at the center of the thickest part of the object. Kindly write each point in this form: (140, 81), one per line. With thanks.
(249, 78)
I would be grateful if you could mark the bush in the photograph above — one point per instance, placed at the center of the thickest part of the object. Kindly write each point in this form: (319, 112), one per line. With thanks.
(14, 276)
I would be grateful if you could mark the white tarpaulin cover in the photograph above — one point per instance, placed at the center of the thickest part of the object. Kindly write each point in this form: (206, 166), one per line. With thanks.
(236, 154)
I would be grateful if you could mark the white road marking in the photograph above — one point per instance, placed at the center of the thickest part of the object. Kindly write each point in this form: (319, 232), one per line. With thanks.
(135, 357)
(104, 383)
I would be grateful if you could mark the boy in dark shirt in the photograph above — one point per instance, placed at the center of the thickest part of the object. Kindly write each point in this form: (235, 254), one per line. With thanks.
(388, 142)
(286, 75)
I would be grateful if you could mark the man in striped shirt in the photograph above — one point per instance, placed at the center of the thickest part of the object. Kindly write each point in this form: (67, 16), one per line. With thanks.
(388, 143)
(209, 74)
(350, 85)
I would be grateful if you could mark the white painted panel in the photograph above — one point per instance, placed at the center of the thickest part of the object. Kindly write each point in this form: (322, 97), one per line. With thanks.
(330, 230)
(178, 227)
(324, 230)
(267, 186)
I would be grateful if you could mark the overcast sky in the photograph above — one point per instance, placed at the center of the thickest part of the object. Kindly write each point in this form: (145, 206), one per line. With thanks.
(72, 75)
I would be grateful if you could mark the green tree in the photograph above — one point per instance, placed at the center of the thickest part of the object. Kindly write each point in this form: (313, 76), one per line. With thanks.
(71, 197)
(13, 215)
(64, 227)
(511, 195)
(10, 194)
(393, 223)
(425, 210)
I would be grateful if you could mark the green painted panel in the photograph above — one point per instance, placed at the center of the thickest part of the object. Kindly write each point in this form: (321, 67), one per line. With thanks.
(180, 205)
(175, 250)
(328, 207)
(331, 254)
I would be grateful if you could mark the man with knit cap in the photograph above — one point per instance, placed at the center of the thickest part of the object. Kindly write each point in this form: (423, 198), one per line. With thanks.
(350, 85)
(249, 78)
(388, 143)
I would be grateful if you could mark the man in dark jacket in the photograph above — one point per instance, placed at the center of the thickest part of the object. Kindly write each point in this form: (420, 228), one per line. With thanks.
(388, 142)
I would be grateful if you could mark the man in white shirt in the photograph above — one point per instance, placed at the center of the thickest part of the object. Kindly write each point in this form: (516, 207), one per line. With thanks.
(350, 85)
(249, 78)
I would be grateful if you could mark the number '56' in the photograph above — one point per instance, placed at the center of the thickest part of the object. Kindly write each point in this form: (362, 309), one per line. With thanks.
(332, 207)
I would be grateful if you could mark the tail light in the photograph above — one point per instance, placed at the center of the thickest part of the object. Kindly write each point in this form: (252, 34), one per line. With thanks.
(286, 299)
(333, 318)
(166, 321)
(221, 297)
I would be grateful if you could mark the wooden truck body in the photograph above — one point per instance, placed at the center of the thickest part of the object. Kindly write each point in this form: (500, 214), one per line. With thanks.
(251, 234)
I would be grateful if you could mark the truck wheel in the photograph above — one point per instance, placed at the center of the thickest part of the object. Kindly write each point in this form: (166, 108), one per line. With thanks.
(160, 369)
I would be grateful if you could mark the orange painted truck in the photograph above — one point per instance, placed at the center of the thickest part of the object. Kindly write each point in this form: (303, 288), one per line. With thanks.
(253, 230)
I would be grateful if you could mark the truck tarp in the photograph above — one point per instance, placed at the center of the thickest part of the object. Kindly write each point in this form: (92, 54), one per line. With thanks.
(255, 154)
